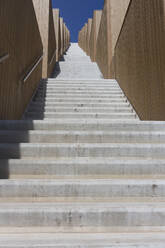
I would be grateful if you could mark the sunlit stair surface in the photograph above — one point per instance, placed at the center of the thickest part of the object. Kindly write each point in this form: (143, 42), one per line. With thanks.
(81, 169)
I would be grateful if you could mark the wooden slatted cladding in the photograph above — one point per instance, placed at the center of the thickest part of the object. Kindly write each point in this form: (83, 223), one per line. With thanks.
(18, 16)
(44, 14)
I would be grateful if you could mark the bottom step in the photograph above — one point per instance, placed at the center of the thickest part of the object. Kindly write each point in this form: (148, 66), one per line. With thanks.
(79, 240)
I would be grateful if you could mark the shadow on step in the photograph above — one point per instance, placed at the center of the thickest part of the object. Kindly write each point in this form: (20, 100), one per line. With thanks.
(12, 136)
(36, 109)
(56, 71)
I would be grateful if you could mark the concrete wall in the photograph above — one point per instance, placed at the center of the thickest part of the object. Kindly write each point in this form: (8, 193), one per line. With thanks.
(44, 16)
(24, 48)
(94, 33)
(140, 58)
(111, 22)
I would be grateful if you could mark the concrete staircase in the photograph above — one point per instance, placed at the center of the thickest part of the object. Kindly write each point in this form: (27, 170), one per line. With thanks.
(81, 169)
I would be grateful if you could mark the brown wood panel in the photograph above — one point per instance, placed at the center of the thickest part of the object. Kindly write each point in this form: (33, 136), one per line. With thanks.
(94, 33)
(44, 16)
(18, 16)
(139, 58)
(62, 36)
(110, 26)
(56, 16)
(51, 42)
(64, 33)
(83, 38)
(89, 25)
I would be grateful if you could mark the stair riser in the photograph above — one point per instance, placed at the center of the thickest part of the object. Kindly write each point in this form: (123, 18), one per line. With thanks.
(77, 88)
(81, 218)
(81, 110)
(83, 245)
(49, 137)
(77, 82)
(16, 167)
(41, 100)
(74, 91)
(36, 116)
(79, 105)
(81, 125)
(93, 150)
(101, 92)
(87, 95)
(87, 189)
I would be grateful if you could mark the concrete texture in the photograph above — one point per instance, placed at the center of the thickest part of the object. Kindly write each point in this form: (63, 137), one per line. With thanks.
(89, 173)
(83, 240)
(77, 65)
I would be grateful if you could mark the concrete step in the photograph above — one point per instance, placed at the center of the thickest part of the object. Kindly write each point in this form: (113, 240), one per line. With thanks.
(49, 115)
(77, 87)
(87, 91)
(83, 167)
(68, 109)
(70, 88)
(80, 105)
(133, 125)
(82, 188)
(46, 150)
(82, 215)
(42, 100)
(81, 95)
(82, 230)
(80, 81)
(41, 136)
(80, 240)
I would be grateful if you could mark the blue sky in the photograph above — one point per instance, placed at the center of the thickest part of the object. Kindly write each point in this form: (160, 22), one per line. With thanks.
(76, 13)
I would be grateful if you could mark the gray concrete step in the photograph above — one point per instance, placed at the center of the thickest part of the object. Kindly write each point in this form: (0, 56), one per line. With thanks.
(80, 80)
(49, 115)
(82, 95)
(80, 105)
(82, 214)
(78, 100)
(41, 136)
(84, 125)
(84, 167)
(82, 188)
(68, 109)
(46, 150)
(68, 86)
(82, 91)
(80, 240)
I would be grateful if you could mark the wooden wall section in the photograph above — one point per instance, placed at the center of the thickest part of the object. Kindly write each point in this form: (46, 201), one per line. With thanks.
(82, 40)
(62, 36)
(44, 16)
(51, 42)
(24, 48)
(89, 25)
(56, 17)
(140, 58)
(110, 27)
(94, 33)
